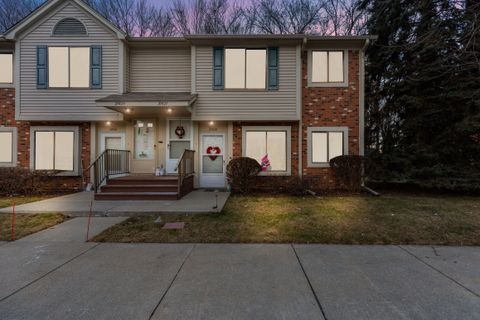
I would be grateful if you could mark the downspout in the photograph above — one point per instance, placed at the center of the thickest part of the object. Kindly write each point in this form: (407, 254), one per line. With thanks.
(362, 107)
(300, 122)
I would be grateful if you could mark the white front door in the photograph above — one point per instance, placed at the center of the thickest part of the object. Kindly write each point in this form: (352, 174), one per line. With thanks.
(144, 146)
(114, 141)
(179, 137)
(212, 160)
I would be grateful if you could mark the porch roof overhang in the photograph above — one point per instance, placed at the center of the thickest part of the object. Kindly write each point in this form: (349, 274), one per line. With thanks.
(147, 101)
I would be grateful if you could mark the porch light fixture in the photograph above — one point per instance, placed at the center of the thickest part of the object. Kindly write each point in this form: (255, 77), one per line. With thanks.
(108, 123)
(169, 110)
(128, 110)
(150, 125)
(140, 124)
(211, 123)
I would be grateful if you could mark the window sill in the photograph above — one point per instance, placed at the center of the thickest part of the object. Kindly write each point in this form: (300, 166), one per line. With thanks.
(7, 85)
(328, 85)
(318, 165)
(65, 89)
(7, 164)
(247, 90)
(274, 174)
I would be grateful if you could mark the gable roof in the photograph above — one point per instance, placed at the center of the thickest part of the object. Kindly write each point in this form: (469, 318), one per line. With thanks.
(50, 5)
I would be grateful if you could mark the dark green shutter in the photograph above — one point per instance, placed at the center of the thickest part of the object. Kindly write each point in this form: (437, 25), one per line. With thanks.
(218, 68)
(96, 67)
(272, 68)
(42, 67)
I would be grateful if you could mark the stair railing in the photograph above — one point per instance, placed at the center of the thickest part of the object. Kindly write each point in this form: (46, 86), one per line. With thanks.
(185, 169)
(109, 163)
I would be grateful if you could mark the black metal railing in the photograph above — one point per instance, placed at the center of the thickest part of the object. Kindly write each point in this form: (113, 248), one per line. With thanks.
(185, 169)
(109, 163)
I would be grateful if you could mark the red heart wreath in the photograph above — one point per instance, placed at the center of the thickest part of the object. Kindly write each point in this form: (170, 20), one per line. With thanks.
(213, 150)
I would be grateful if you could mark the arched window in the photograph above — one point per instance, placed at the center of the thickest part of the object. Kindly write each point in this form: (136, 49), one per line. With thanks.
(68, 27)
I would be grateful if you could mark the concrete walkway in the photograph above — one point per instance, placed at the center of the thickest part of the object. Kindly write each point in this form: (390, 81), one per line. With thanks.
(78, 204)
(55, 275)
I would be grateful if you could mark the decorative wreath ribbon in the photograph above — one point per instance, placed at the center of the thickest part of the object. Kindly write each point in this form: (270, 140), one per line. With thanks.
(180, 132)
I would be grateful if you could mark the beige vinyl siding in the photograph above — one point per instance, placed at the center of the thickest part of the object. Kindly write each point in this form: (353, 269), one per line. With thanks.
(126, 77)
(67, 104)
(160, 69)
(241, 104)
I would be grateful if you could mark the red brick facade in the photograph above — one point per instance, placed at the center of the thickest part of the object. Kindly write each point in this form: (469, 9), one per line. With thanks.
(7, 119)
(330, 107)
(321, 106)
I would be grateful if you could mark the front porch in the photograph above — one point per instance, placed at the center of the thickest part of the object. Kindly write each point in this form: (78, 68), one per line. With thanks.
(145, 187)
(156, 136)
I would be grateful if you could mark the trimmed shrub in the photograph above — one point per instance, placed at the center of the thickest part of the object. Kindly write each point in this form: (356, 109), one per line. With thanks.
(241, 173)
(21, 181)
(348, 170)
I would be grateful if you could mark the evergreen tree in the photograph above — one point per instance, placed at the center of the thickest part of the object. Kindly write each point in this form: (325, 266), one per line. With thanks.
(423, 92)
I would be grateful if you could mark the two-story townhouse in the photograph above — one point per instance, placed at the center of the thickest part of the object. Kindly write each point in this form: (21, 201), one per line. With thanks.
(72, 86)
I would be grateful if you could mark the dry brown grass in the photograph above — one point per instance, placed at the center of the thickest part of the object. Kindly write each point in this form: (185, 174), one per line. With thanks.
(389, 219)
(26, 224)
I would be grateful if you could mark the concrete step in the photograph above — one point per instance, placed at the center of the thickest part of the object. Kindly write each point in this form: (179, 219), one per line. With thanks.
(136, 196)
(140, 188)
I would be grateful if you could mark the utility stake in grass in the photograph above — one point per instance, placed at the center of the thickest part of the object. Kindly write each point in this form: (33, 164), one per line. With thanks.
(13, 222)
(89, 217)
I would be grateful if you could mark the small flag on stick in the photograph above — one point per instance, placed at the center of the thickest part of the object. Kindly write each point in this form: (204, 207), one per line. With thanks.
(265, 163)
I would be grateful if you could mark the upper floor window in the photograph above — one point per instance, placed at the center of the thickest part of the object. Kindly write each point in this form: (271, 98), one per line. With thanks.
(69, 67)
(327, 67)
(245, 68)
(6, 68)
(69, 27)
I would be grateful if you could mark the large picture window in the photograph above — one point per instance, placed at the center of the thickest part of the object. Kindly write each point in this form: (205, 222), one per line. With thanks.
(270, 146)
(6, 68)
(69, 67)
(245, 68)
(8, 146)
(326, 143)
(55, 149)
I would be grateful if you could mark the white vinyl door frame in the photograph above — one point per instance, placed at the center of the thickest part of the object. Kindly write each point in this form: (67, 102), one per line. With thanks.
(171, 164)
(212, 180)
(105, 135)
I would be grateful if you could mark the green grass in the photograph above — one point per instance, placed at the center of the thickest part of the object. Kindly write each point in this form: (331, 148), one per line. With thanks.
(26, 224)
(8, 201)
(389, 219)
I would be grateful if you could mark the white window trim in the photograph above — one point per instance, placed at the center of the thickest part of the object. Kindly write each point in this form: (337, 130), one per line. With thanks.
(13, 130)
(69, 69)
(311, 130)
(288, 130)
(328, 84)
(245, 88)
(9, 84)
(76, 149)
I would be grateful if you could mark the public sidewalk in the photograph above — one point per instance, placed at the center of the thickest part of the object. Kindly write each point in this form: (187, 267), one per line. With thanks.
(55, 275)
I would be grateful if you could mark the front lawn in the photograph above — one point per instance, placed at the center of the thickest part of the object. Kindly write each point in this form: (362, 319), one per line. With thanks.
(18, 200)
(389, 219)
(26, 224)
